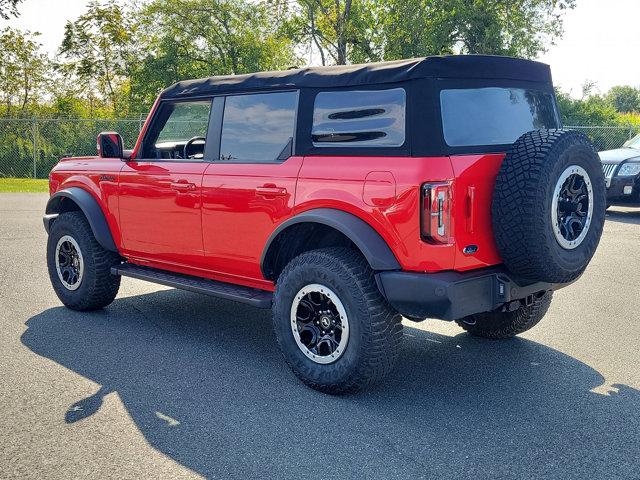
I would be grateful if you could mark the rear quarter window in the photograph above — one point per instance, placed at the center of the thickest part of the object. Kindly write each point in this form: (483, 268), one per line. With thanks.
(359, 118)
(494, 115)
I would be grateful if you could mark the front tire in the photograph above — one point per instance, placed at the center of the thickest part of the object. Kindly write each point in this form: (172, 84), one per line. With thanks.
(79, 268)
(336, 331)
(499, 325)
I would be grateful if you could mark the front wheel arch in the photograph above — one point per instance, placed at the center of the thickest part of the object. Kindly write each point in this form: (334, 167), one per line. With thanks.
(76, 198)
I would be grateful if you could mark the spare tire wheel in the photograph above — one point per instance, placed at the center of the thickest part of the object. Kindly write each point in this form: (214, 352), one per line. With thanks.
(549, 205)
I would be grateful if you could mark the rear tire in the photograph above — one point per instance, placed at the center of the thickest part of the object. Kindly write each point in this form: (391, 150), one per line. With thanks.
(498, 325)
(333, 284)
(85, 282)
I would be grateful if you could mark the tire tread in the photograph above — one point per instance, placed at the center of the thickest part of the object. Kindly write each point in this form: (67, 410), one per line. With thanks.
(382, 332)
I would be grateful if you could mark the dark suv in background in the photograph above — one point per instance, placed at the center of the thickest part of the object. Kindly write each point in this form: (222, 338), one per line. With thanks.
(621, 169)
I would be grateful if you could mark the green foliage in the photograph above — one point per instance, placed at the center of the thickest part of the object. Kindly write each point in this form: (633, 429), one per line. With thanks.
(9, 8)
(415, 28)
(505, 27)
(341, 31)
(97, 51)
(119, 54)
(198, 38)
(23, 70)
(344, 31)
(116, 57)
(597, 111)
(624, 99)
(593, 110)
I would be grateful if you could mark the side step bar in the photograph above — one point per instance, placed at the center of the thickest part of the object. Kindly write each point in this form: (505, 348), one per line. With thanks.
(252, 296)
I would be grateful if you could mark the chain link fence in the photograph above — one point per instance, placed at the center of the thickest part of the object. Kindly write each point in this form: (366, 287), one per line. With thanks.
(30, 147)
(608, 138)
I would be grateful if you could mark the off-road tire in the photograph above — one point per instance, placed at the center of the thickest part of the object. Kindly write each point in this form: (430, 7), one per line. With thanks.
(98, 287)
(499, 325)
(522, 204)
(375, 327)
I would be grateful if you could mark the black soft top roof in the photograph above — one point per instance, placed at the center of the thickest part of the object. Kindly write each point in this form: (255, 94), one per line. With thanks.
(451, 66)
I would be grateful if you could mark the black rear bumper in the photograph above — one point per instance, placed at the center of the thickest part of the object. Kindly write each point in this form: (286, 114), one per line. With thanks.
(453, 295)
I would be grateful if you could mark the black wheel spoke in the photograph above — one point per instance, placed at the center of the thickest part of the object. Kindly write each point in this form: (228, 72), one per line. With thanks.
(69, 263)
(319, 324)
(573, 201)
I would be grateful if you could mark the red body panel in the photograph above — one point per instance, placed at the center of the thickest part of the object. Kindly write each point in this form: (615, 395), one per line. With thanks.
(338, 182)
(242, 205)
(160, 211)
(98, 176)
(475, 178)
(214, 219)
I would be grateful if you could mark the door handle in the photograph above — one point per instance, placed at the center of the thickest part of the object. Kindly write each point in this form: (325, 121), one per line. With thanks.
(271, 191)
(183, 186)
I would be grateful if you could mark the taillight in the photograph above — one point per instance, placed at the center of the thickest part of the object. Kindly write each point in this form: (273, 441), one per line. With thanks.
(436, 212)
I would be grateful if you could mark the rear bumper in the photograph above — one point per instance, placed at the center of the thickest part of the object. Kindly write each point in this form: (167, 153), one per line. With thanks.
(454, 295)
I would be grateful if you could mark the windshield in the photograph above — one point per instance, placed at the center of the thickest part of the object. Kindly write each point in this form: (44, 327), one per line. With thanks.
(494, 115)
(633, 143)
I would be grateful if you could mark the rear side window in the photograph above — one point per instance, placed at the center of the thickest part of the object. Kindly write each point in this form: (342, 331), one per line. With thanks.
(258, 128)
(358, 118)
(493, 115)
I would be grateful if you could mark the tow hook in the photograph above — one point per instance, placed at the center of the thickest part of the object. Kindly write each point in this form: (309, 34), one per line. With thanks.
(528, 300)
(511, 306)
(516, 304)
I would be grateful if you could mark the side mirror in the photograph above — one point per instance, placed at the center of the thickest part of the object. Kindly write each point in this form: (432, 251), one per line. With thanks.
(110, 145)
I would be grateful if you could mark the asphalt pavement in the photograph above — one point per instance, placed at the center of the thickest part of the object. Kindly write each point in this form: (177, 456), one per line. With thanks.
(169, 384)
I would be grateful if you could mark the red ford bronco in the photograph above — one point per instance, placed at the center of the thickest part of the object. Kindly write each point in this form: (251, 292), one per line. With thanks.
(342, 198)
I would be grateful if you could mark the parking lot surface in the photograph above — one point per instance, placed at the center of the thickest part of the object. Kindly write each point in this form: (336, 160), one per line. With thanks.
(169, 384)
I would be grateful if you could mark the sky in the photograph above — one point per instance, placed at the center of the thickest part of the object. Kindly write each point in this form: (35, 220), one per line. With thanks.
(601, 42)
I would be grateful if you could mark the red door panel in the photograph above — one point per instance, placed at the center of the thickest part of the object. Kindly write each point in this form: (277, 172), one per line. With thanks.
(242, 203)
(160, 214)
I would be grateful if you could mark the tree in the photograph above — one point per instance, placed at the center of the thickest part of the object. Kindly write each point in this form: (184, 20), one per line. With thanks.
(344, 31)
(415, 28)
(96, 49)
(9, 8)
(624, 99)
(198, 38)
(340, 30)
(521, 28)
(24, 69)
(592, 110)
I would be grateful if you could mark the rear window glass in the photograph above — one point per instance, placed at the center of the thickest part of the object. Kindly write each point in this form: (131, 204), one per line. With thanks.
(494, 116)
(258, 128)
(358, 118)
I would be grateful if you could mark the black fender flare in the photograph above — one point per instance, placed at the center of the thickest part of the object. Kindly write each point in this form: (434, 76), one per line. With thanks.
(91, 209)
(374, 248)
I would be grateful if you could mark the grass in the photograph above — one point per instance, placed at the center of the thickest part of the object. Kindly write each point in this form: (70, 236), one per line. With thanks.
(24, 185)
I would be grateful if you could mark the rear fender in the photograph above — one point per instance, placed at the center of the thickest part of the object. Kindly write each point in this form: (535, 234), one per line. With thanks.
(365, 238)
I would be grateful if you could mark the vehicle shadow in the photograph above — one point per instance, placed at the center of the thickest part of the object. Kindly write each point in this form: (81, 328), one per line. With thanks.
(631, 216)
(204, 382)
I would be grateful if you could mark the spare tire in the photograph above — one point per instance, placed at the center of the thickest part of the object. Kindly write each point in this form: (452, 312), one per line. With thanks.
(549, 205)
